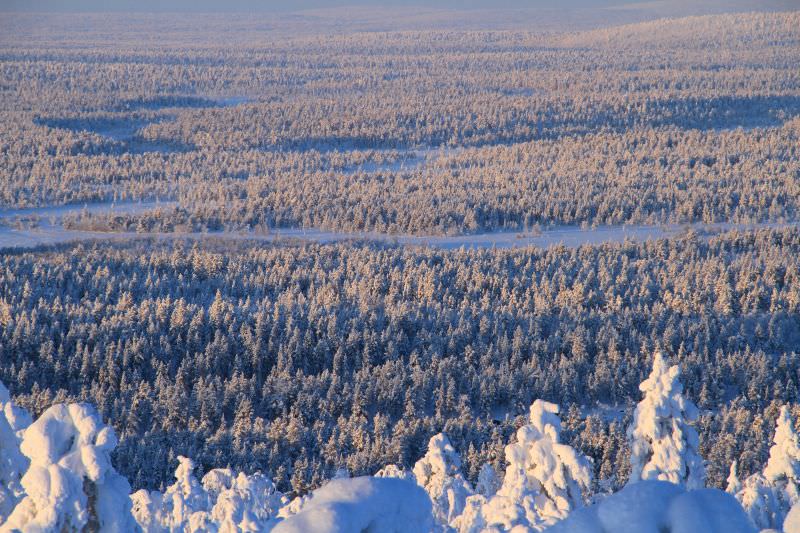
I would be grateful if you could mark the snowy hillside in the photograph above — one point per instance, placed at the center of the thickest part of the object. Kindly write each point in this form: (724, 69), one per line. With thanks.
(58, 476)
(731, 30)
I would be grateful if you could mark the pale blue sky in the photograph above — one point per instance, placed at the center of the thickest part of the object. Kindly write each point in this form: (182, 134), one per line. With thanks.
(280, 5)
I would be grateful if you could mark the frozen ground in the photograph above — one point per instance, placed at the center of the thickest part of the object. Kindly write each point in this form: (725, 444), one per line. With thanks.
(49, 230)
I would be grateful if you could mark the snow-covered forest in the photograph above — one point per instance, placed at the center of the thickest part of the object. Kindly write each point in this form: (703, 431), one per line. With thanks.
(182, 374)
(694, 122)
(58, 476)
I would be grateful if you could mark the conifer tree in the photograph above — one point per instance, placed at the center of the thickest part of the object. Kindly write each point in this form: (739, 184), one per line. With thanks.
(663, 444)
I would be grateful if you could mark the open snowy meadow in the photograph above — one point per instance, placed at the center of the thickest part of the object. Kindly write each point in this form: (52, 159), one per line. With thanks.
(403, 267)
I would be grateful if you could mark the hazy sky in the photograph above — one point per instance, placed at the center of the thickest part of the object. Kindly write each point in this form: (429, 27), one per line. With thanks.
(280, 5)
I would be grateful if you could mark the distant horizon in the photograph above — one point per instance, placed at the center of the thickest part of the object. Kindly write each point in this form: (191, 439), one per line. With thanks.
(273, 6)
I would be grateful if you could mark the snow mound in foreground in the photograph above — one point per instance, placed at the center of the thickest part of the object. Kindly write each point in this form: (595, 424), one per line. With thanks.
(12, 463)
(71, 485)
(388, 505)
(659, 507)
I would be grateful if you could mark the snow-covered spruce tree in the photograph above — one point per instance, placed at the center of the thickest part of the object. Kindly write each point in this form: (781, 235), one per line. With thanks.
(12, 463)
(769, 495)
(439, 473)
(734, 485)
(544, 480)
(487, 483)
(224, 502)
(173, 510)
(783, 466)
(663, 444)
(242, 502)
(396, 472)
(70, 484)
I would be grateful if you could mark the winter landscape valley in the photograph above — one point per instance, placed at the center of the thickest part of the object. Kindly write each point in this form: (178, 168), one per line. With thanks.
(425, 267)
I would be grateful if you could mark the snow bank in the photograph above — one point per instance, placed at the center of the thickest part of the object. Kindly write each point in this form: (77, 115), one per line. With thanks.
(388, 505)
(12, 462)
(659, 507)
(70, 484)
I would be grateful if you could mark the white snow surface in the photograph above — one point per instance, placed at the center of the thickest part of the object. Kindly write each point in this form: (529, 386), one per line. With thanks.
(12, 462)
(663, 444)
(659, 507)
(363, 504)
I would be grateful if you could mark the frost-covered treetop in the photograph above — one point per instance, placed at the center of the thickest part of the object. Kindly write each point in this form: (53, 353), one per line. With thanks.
(395, 471)
(439, 473)
(769, 496)
(557, 470)
(545, 422)
(663, 444)
(441, 459)
(734, 485)
(784, 455)
(544, 480)
(71, 484)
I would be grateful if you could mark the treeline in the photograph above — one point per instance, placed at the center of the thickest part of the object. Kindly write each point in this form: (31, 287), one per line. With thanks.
(299, 360)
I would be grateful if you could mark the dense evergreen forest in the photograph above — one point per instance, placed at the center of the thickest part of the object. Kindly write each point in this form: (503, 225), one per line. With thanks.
(300, 360)
(426, 132)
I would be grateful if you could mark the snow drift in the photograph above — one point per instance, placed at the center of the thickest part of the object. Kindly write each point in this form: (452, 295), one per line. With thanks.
(659, 507)
(387, 505)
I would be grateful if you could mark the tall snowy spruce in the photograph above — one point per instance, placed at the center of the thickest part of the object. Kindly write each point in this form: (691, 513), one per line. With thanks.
(225, 501)
(663, 444)
(439, 473)
(769, 496)
(544, 480)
